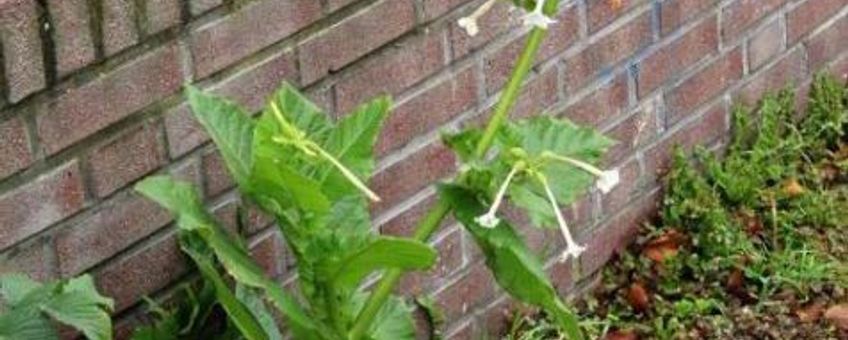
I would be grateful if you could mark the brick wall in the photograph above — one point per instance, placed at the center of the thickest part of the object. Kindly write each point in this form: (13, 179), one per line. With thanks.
(91, 103)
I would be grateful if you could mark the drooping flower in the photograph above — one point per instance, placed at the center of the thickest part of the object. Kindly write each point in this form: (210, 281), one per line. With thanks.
(469, 23)
(537, 17)
(490, 219)
(606, 179)
(572, 248)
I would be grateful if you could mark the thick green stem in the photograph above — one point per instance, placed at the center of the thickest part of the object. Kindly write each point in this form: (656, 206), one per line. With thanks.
(434, 218)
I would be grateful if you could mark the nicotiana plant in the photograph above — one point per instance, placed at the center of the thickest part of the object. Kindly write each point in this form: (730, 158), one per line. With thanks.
(309, 172)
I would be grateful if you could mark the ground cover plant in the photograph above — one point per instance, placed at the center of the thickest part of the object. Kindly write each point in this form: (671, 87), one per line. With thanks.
(749, 245)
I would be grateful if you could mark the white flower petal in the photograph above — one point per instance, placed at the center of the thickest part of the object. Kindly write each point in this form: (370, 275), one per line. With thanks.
(487, 220)
(573, 250)
(608, 180)
(537, 19)
(469, 24)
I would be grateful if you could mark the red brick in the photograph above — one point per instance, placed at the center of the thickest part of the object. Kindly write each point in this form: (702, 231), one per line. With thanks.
(473, 289)
(115, 226)
(790, 70)
(562, 276)
(428, 110)
(706, 129)
(606, 103)
(678, 55)
(81, 111)
(353, 37)
(72, 35)
(601, 13)
(676, 13)
(435, 8)
(268, 251)
(608, 51)
(391, 72)
(333, 5)
(839, 69)
(119, 28)
(704, 85)
(499, 65)
(738, 16)
(765, 44)
(615, 235)
(38, 204)
(142, 272)
(162, 14)
(187, 171)
(184, 132)
(404, 224)
(410, 175)
(32, 259)
(222, 42)
(499, 317)
(449, 261)
(22, 53)
(216, 177)
(252, 87)
(618, 199)
(464, 331)
(492, 24)
(638, 129)
(537, 96)
(809, 15)
(822, 47)
(126, 159)
(197, 7)
(15, 152)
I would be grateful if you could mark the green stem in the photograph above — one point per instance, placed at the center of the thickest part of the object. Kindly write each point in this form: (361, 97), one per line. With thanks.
(434, 218)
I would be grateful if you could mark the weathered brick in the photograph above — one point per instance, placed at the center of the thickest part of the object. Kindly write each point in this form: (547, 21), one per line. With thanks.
(141, 272)
(184, 132)
(32, 259)
(536, 96)
(740, 15)
(216, 177)
(449, 261)
(15, 152)
(81, 111)
(809, 15)
(498, 317)
(465, 330)
(676, 13)
(118, 26)
(223, 42)
(72, 34)
(162, 14)
(22, 53)
(473, 289)
(600, 13)
(333, 5)
(435, 8)
(821, 47)
(197, 7)
(791, 69)
(606, 103)
(617, 199)
(706, 129)
(115, 226)
(412, 174)
(608, 51)
(353, 37)
(125, 159)
(428, 110)
(499, 65)
(38, 204)
(562, 276)
(391, 72)
(492, 24)
(252, 87)
(404, 224)
(704, 85)
(678, 55)
(638, 129)
(268, 251)
(765, 44)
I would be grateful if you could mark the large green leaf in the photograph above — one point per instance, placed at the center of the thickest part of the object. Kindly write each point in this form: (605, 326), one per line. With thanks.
(515, 268)
(351, 142)
(253, 301)
(384, 252)
(393, 322)
(26, 323)
(301, 112)
(230, 128)
(82, 311)
(14, 287)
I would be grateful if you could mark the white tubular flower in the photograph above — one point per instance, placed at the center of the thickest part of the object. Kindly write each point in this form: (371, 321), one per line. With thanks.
(572, 249)
(537, 18)
(607, 180)
(469, 23)
(489, 219)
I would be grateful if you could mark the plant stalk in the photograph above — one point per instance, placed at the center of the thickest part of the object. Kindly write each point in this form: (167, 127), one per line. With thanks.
(434, 218)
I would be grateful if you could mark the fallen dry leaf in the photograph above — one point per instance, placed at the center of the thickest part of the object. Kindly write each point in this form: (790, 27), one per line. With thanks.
(615, 4)
(638, 297)
(664, 246)
(736, 281)
(622, 335)
(838, 315)
(792, 188)
(811, 312)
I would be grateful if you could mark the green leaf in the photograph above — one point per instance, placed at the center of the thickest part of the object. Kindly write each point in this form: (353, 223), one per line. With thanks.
(14, 287)
(463, 143)
(301, 112)
(384, 252)
(26, 323)
(393, 322)
(230, 128)
(83, 311)
(352, 144)
(515, 268)
(179, 197)
(254, 303)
